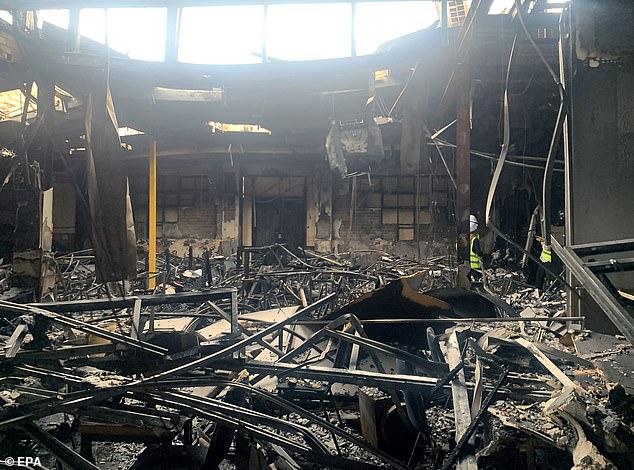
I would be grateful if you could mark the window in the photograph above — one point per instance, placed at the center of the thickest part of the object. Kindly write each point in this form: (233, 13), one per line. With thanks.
(221, 35)
(58, 18)
(222, 127)
(92, 24)
(137, 32)
(380, 22)
(404, 201)
(6, 16)
(311, 31)
(501, 6)
(12, 103)
(399, 204)
(238, 34)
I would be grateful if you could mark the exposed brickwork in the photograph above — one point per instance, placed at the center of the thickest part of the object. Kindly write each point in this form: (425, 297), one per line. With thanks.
(366, 223)
(198, 221)
(193, 212)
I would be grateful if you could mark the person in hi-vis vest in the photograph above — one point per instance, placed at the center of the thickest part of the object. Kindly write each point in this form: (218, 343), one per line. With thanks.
(475, 251)
(546, 257)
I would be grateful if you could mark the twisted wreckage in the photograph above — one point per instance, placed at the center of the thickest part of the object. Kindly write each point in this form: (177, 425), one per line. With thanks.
(347, 367)
(274, 265)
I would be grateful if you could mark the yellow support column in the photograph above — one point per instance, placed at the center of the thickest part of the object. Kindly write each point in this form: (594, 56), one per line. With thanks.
(152, 218)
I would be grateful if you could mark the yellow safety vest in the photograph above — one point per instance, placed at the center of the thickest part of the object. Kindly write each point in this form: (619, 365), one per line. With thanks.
(546, 255)
(474, 260)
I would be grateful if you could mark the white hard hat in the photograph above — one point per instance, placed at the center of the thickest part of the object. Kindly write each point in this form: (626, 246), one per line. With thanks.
(473, 223)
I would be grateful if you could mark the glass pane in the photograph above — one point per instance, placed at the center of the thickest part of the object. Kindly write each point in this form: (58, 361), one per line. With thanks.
(6, 16)
(311, 31)
(501, 6)
(92, 24)
(221, 35)
(56, 17)
(138, 32)
(377, 23)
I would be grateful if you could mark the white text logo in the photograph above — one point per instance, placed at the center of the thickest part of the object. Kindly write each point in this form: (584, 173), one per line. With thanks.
(21, 462)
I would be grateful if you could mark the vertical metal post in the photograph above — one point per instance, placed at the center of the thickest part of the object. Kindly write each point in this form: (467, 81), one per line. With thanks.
(573, 302)
(207, 264)
(172, 34)
(532, 227)
(444, 20)
(264, 53)
(136, 319)
(188, 432)
(331, 194)
(234, 312)
(565, 61)
(168, 270)
(463, 161)
(353, 33)
(235, 327)
(45, 112)
(241, 217)
(246, 260)
(152, 217)
(73, 37)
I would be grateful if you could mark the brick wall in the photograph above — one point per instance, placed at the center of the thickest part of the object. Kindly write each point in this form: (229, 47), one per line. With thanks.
(366, 223)
(9, 50)
(192, 208)
(402, 215)
(190, 222)
(409, 218)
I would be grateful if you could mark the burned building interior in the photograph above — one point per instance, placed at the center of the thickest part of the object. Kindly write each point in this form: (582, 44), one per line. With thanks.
(288, 234)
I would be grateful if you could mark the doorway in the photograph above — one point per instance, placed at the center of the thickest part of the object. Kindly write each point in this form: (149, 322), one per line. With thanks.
(280, 220)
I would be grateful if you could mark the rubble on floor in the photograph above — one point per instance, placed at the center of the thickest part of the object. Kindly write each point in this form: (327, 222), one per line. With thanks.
(275, 359)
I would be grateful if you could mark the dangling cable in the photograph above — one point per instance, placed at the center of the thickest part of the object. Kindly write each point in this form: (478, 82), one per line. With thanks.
(498, 171)
(506, 139)
(556, 137)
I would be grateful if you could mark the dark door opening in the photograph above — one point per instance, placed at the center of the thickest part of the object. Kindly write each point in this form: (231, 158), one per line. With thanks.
(280, 220)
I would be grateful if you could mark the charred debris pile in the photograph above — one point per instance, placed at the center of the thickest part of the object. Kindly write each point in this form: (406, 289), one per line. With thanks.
(276, 359)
